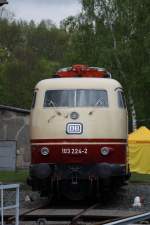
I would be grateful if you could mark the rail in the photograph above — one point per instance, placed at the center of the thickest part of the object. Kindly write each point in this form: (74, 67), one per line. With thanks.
(133, 219)
(15, 206)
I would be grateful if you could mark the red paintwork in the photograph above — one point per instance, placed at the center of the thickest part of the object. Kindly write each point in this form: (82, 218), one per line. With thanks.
(101, 140)
(80, 70)
(117, 154)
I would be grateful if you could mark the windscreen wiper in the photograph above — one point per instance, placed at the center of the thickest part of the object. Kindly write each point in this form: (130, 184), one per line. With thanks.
(54, 107)
(96, 104)
(56, 111)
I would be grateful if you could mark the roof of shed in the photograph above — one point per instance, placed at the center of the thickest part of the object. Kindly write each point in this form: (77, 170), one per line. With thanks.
(14, 109)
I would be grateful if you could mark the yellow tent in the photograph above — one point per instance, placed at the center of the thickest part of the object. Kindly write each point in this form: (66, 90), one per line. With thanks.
(139, 150)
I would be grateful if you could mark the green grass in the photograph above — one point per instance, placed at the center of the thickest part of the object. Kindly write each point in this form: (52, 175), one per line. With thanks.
(140, 178)
(20, 176)
(13, 176)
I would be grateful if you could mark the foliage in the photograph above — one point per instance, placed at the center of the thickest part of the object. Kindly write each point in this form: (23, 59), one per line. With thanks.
(28, 53)
(113, 34)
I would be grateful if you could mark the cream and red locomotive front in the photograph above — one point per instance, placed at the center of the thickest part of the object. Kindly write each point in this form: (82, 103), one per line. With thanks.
(79, 133)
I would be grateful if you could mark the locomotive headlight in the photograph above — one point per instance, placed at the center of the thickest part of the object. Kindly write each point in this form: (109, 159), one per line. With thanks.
(44, 151)
(105, 151)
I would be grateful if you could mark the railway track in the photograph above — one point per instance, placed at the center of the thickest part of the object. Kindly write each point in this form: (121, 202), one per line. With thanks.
(43, 214)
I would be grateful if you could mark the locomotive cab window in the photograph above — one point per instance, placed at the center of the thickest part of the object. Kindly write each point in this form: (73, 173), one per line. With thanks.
(76, 98)
(33, 99)
(121, 99)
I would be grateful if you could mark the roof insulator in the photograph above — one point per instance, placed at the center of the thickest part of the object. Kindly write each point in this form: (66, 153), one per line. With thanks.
(81, 70)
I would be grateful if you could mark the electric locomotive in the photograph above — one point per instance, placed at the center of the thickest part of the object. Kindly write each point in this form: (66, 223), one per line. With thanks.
(78, 133)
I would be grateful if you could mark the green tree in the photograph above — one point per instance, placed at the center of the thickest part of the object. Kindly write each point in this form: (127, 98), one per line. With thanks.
(28, 53)
(115, 34)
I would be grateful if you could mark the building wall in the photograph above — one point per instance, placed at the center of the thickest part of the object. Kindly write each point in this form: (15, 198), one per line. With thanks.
(14, 125)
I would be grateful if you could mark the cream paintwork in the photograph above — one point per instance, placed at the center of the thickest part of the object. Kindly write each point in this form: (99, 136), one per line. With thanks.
(111, 122)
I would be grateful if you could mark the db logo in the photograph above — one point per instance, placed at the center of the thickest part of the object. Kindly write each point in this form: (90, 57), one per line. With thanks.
(74, 128)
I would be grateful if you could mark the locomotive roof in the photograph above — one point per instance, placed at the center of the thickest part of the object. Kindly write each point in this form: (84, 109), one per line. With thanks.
(78, 83)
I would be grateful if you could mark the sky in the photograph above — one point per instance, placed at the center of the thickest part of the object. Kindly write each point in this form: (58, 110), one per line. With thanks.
(37, 10)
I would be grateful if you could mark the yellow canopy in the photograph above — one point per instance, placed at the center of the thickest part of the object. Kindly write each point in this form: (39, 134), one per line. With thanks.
(142, 135)
(139, 150)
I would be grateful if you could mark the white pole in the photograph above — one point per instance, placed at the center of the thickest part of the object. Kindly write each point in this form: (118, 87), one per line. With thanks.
(2, 209)
(17, 205)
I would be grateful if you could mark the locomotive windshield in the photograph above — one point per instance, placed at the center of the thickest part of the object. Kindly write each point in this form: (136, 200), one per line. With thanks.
(76, 98)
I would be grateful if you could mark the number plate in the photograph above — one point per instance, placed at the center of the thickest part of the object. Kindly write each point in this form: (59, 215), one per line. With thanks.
(74, 151)
(74, 128)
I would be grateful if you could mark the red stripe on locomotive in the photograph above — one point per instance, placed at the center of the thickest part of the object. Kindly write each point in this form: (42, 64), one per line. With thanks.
(117, 154)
